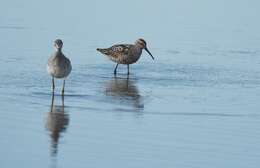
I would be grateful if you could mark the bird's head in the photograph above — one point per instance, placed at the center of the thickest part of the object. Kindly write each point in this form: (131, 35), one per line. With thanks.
(58, 44)
(142, 44)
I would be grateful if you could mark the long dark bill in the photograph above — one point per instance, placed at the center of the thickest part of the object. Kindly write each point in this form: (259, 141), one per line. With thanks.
(146, 49)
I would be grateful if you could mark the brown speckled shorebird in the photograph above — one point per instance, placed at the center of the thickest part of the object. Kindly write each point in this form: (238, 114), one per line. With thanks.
(58, 65)
(125, 53)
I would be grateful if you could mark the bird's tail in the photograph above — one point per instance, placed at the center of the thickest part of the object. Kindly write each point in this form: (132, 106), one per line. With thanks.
(103, 51)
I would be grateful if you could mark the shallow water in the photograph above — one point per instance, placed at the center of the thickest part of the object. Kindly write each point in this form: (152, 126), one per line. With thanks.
(196, 105)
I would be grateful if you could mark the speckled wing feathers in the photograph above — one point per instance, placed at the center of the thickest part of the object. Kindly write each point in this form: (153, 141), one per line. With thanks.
(117, 53)
(120, 50)
(116, 50)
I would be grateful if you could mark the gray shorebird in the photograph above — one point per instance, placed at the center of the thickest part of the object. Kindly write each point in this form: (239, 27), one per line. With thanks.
(58, 65)
(125, 53)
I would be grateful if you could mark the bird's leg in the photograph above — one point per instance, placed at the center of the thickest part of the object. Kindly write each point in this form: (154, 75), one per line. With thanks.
(63, 86)
(115, 69)
(53, 84)
(128, 69)
(127, 82)
(52, 101)
(62, 99)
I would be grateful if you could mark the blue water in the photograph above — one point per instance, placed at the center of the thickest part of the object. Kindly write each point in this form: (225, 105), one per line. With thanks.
(195, 105)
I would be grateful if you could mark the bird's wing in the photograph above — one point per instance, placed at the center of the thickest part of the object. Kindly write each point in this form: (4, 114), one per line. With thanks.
(120, 49)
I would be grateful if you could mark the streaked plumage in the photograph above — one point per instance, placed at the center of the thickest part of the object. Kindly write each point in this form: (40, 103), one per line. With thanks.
(58, 65)
(125, 53)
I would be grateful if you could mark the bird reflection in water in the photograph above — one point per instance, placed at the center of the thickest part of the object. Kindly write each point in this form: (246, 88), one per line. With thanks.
(57, 122)
(125, 92)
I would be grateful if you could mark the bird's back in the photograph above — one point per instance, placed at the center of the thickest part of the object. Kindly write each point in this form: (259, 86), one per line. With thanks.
(122, 53)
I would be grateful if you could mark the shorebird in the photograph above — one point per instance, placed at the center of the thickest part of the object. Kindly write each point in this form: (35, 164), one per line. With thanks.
(125, 53)
(58, 65)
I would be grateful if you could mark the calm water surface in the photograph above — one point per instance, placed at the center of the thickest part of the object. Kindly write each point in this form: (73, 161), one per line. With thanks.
(196, 105)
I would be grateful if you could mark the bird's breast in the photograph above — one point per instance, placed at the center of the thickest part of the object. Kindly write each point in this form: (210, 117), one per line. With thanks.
(59, 68)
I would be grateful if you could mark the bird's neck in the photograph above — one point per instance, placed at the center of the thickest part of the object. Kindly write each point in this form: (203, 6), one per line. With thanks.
(58, 53)
(138, 49)
(58, 49)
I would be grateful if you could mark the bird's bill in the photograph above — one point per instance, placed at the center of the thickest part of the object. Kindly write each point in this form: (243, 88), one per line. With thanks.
(57, 46)
(146, 49)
